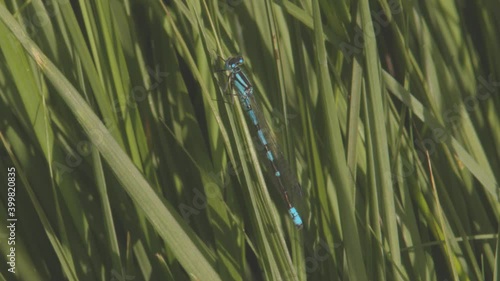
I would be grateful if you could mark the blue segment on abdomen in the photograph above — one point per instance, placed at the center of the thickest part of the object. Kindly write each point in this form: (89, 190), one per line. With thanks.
(295, 217)
(270, 155)
(261, 137)
(253, 117)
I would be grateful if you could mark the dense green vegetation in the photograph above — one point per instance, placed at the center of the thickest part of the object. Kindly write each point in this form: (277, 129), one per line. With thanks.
(132, 162)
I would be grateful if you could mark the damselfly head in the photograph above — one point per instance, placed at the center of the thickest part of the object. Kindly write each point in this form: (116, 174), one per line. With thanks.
(233, 62)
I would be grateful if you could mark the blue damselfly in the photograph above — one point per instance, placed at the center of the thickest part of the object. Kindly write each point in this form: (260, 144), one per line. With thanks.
(244, 89)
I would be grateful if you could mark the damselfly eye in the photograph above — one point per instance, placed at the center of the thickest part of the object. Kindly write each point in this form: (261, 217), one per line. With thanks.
(233, 65)
(241, 60)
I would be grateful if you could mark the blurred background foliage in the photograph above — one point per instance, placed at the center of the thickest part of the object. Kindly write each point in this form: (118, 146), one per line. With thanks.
(133, 163)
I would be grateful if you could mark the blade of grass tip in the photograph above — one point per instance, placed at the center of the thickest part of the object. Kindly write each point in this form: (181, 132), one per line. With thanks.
(458, 221)
(437, 225)
(304, 17)
(373, 206)
(453, 263)
(352, 128)
(342, 178)
(192, 254)
(379, 134)
(406, 211)
(167, 273)
(106, 213)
